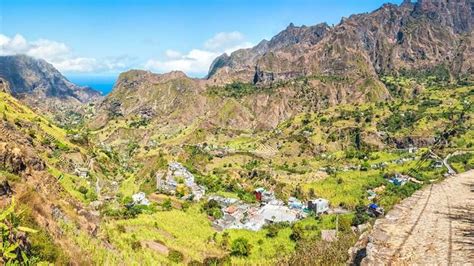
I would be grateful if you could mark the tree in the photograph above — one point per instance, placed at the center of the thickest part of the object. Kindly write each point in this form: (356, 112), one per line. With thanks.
(360, 216)
(240, 247)
(212, 208)
(272, 231)
(298, 192)
(296, 233)
(358, 139)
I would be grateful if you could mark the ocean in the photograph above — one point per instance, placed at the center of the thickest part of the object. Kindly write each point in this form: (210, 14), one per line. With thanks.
(104, 84)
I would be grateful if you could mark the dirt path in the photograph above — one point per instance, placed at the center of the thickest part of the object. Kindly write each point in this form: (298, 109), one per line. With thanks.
(433, 227)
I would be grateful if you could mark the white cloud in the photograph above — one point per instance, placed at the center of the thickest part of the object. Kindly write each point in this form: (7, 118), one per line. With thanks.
(243, 45)
(223, 40)
(197, 61)
(47, 49)
(58, 54)
(194, 62)
(172, 54)
(79, 64)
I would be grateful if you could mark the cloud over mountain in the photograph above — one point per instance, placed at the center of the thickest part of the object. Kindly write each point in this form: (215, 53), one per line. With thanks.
(60, 55)
(198, 60)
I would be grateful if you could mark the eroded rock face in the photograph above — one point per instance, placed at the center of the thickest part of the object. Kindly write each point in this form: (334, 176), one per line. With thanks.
(4, 86)
(243, 64)
(17, 161)
(414, 36)
(454, 14)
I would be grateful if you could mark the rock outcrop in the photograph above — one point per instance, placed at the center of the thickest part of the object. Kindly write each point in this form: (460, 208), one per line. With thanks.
(15, 160)
(4, 86)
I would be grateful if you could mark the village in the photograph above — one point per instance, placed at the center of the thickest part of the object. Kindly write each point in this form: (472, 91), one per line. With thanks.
(266, 209)
(236, 214)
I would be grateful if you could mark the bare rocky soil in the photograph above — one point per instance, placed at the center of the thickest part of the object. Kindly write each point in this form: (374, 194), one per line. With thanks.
(433, 227)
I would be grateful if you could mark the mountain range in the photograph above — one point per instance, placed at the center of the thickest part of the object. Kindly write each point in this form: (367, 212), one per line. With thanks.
(326, 111)
(307, 69)
(301, 68)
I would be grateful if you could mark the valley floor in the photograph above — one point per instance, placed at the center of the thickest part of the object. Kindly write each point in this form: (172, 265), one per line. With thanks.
(433, 227)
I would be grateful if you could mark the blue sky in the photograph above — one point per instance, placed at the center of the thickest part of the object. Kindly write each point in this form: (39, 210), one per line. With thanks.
(103, 38)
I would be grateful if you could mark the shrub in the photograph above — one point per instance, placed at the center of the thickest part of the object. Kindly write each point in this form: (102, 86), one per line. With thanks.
(272, 231)
(314, 252)
(83, 190)
(240, 247)
(15, 247)
(296, 233)
(175, 256)
(136, 245)
(213, 209)
(167, 204)
(121, 228)
(216, 261)
(360, 216)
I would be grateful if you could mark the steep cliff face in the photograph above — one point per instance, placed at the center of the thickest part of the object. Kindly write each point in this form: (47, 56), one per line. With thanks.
(457, 15)
(241, 64)
(40, 85)
(412, 36)
(174, 100)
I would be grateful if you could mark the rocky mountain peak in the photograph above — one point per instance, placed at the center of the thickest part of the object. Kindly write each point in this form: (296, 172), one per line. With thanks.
(293, 35)
(418, 35)
(134, 76)
(456, 14)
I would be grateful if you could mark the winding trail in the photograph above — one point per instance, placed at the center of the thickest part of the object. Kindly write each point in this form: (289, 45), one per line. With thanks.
(433, 227)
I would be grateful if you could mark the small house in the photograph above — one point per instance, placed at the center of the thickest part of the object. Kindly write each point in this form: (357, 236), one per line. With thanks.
(375, 210)
(294, 203)
(318, 206)
(259, 194)
(81, 172)
(231, 209)
(140, 199)
(437, 164)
